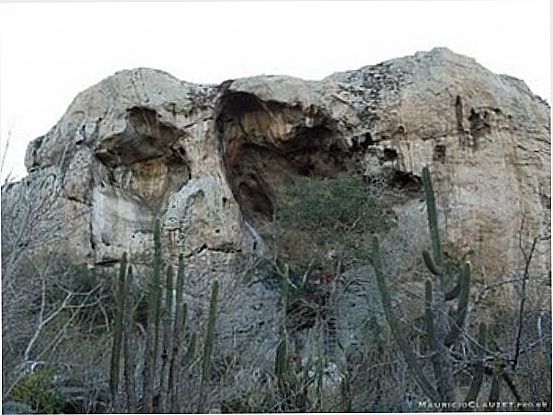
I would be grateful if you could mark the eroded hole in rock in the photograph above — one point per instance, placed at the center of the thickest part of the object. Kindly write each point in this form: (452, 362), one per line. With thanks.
(155, 179)
(145, 137)
(390, 154)
(361, 143)
(255, 200)
(296, 182)
(265, 144)
(406, 181)
(479, 123)
(459, 115)
(147, 160)
(439, 153)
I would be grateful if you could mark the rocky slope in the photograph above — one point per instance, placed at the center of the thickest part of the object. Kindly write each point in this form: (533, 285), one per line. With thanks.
(211, 161)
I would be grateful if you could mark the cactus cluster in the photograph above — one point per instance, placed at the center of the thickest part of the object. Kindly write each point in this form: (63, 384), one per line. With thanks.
(442, 323)
(165, 353)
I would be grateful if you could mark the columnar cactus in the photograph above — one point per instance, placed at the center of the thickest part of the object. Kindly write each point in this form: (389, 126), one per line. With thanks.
(164, 340)
(118, 332)
(166, 349)
(441, 330)
(177, 336)
(292, 383)
(128, 347)
(154, 314)
(407, 352)
(209, 344)
(190, 351)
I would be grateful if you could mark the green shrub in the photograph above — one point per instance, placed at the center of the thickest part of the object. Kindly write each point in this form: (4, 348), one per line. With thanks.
(338, 204)
(39, 392)
(333, 212)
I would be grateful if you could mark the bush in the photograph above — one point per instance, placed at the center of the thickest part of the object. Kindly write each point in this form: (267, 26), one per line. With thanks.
(334, 212)
(338, 204)
(39, 392)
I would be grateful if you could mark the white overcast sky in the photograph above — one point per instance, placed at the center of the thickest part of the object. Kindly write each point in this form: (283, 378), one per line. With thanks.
(51, 51)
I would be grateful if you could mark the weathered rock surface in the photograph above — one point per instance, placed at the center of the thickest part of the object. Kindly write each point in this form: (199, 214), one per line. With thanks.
(208, 160)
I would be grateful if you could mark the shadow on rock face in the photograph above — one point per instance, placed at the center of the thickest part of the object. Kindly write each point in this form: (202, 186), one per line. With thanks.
(266, 143)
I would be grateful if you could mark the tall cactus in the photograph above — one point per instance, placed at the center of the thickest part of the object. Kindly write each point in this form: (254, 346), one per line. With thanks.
(190, 351)
(460, 314)
(123, 341)
(281, 359)
(128, 347)
(154, 314)
(437, 250)
(166, 349)
(495, 389)
(118, 332)
(209, 344)
(407, 352)
(167, 314)
(177, 337)
(440, 331)
(444, 332)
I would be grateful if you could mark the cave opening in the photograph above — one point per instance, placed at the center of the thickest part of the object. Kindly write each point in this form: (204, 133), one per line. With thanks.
(147, 160)
(283, 163)
(265, 144)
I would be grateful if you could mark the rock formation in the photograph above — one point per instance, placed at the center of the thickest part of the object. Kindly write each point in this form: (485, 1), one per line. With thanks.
(211, 161)
(217, 165)
(206, 158)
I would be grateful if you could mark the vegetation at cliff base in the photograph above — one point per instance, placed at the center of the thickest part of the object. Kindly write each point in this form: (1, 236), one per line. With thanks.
(335, 331)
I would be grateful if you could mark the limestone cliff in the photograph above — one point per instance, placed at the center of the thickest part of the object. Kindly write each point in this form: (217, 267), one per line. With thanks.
(209, 159)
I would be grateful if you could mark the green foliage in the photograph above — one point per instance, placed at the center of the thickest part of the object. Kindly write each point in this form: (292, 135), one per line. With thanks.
(39, 392)
(340, 204)
(333, 212)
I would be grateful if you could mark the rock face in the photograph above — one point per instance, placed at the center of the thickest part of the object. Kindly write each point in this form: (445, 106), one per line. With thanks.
(209, 160)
